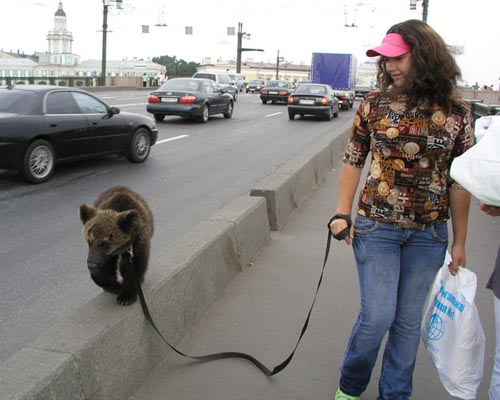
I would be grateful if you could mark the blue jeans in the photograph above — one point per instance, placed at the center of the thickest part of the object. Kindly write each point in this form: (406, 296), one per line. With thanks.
(396, 267)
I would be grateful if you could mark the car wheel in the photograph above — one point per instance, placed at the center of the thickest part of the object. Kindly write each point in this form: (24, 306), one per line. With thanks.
(205, 112)
(159, 117)
(235, 96)
(329, 115)
(336, 113)
(140, 146)
(229, 110)
(264, 101)
(291, 115)
(39, 162)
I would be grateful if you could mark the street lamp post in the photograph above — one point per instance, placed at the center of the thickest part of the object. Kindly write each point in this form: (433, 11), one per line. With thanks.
(105, 6)
(241, 49)
(238, 54)
(425, 8)
(278, 59)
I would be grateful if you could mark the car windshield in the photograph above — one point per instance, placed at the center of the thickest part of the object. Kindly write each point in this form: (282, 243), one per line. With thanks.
(182, 84)
(279, 84)
(312, 89)
(18, 102)
(205, 76)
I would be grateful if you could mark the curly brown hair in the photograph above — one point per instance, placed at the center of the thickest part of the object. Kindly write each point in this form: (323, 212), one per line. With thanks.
(434, 73)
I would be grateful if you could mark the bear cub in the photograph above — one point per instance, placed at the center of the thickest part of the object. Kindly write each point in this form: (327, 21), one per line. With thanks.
(118, 229)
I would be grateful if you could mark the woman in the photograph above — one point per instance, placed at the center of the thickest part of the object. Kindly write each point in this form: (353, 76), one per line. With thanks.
(414, 126)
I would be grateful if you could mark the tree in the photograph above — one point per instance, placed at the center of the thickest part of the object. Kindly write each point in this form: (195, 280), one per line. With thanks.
(177, 68)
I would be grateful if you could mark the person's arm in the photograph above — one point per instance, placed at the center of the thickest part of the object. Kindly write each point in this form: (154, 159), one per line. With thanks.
(348, 183)
(492, 211)
(459, 208)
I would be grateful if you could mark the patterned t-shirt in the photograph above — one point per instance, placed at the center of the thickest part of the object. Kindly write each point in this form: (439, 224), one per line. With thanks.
(412, 152)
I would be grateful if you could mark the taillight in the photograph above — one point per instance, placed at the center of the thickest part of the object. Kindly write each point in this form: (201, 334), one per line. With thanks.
(263, 91)
(187, 99)
(283, 93)
(153, 99)
(290, 100)
(324, 101)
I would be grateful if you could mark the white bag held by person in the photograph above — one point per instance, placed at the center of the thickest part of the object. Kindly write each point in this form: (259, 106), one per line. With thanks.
(478, 169)
(452, 332)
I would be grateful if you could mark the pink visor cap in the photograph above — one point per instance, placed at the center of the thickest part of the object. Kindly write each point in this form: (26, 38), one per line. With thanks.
(393, 45)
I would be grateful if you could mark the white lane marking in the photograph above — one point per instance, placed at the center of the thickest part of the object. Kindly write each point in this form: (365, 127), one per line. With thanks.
(272, 115)
(129, 105)
(172, 138)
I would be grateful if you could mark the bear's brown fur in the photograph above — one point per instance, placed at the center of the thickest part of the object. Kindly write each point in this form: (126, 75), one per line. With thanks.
(118, 229)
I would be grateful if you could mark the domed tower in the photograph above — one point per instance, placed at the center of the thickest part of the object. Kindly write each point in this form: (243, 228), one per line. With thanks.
(60, 42)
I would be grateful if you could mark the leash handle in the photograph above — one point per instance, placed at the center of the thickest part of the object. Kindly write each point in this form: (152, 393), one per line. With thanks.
(344, 232)
(219, 356)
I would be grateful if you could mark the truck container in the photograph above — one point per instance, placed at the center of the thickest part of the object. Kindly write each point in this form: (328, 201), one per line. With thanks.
(337, 70)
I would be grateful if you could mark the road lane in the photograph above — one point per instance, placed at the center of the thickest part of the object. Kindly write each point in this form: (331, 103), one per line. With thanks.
(193, 171)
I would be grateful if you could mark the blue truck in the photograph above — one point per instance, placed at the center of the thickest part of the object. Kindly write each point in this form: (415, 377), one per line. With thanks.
(337, 70)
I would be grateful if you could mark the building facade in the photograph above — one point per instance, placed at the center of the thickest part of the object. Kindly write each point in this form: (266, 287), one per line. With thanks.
(260, 70)
(60, 66)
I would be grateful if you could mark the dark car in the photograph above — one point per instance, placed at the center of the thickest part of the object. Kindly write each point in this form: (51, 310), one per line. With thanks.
(43, 125)
(313, 99)
(346, 99)
(190, 97)
(255, 85)
(276, 91)
(223, 80)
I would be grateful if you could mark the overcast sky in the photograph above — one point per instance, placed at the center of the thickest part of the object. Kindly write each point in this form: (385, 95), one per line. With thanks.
(295, 28)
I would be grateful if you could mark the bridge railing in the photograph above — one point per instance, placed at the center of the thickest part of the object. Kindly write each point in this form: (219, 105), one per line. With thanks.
(73, 81)
(481, 110)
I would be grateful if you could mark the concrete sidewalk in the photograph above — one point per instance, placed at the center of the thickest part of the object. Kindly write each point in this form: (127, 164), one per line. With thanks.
(262, 310)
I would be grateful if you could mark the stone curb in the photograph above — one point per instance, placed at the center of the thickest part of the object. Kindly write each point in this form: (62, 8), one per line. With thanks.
(89, 356)
(289, 186)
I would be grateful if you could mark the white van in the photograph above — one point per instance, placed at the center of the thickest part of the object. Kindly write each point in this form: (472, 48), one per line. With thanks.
(239, 80)
(222, 79)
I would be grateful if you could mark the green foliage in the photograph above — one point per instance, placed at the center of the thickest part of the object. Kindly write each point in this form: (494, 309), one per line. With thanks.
(177, 68)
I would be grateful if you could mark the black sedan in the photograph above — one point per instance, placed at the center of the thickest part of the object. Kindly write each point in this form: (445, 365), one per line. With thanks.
(276, 91)
(190, 97)
(313, 99)
(255, 85)
(43, 125)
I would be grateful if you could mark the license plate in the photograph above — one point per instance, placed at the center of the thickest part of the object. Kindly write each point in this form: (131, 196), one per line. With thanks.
(273, 92)
(169, 99)
(307, 101)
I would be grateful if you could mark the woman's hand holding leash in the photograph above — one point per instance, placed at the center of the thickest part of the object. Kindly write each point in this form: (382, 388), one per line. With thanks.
(341, 227)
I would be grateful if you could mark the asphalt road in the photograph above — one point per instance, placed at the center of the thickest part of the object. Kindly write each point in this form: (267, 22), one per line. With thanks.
(193, 171)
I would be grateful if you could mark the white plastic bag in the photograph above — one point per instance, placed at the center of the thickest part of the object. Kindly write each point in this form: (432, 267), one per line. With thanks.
(452, 332)
(478, 169)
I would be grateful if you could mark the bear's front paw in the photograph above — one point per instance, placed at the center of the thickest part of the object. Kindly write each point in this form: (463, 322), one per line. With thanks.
(114, 288)
(126, 299)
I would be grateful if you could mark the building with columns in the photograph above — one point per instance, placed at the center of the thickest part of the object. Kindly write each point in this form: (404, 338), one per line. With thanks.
(60, 42)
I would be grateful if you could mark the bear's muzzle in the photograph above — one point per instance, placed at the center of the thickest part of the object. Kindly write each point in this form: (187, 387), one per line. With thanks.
(97, 259)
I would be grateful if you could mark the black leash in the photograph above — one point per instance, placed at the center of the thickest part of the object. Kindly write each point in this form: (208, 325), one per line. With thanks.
(231, 354)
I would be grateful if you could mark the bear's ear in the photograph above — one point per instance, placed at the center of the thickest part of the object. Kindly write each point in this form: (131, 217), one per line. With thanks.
(126, 220)
(86, 212)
